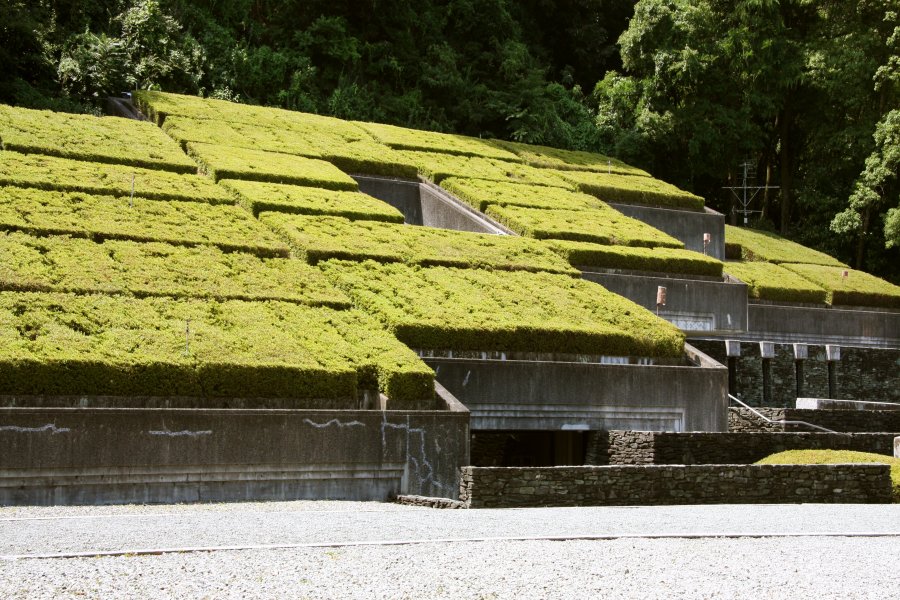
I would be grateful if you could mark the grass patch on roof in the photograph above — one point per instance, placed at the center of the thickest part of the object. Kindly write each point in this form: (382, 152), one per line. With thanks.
(224, 162)
(260, 196)
(856, 289)
(659, 260)
(601, 225)
(837, 457)
(631, 189)
(475, 309)
(54, 173)
(481, 193)
(438, 167)
(64, 264)
(569, 160)
(771, 247)
(768, 281)
(106, 217)
(86, 137)
(402, 138)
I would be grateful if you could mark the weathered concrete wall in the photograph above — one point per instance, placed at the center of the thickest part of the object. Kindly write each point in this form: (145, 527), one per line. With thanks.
(486, 487)
(684, 225)
(111, 456)
(809, 325)
(665, 448)
(516, 395)
(743, 420)
(692, 305)
(861, 373)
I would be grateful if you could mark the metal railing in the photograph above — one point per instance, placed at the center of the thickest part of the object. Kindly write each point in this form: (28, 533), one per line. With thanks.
(783, 421)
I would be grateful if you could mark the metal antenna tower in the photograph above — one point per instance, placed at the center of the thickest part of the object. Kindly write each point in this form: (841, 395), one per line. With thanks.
(748, 190)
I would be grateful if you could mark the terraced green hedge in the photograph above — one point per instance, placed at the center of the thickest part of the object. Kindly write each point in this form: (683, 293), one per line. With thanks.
(62, 344)
(223, 162)
(569, 160)
(600, 225)
(402, 138)
(105, 217)
(474, 309)
(856, 289)
(438, 167)
(260, 196)
(630, 189)
(481, 193)
(317, 239)
(54, 173)
(64, 264)
(237, 135)
(771, 247)
(768, 281)
(96, 139)
(661, 260)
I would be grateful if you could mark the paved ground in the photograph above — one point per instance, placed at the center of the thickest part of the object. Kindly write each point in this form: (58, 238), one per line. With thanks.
(365, 550)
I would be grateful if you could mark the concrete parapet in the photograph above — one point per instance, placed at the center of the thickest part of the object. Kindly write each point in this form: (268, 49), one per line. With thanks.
(500, 487)
(831, 326)
(684, 225)
(835, 404)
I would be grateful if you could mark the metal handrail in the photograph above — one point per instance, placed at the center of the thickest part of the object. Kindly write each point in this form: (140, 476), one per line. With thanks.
(783, 422)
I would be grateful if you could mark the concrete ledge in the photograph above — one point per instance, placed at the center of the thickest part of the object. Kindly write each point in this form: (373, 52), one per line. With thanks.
(498, 487)
(694, 306)
(684, 225)
(831, 404)
(849, 421)
(790, 324)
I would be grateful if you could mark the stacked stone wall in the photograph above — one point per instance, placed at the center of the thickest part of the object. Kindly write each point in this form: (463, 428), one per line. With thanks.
(742, 420)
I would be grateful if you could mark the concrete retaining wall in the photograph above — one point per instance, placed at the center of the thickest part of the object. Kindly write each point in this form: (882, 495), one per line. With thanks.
(695, 306)
(111, 456)
(743, 420)
(490, 487)
(684, 225)
(808, 325)
(664, 448)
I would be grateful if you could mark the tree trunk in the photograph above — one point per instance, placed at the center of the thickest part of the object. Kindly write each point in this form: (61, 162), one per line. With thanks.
(787, 165)
(861, 240)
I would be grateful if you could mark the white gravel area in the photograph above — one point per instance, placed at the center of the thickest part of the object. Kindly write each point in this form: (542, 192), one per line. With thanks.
(757, 568)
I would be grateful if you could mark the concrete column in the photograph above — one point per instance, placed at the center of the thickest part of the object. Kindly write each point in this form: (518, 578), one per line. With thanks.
(833, 354)
(801, 353)
(733, 351)
(767, 351)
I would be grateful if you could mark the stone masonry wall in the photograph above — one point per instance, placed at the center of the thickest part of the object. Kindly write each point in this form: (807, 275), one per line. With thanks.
(496, 487)
(742, 420)
(666, 448)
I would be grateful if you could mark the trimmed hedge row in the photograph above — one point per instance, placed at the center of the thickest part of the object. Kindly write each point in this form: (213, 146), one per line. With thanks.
(402, 138)
(105, 217)
(660, 260)
(316, 239)
(260, 196)
(64, 264)
(63, 344)
(569, 160)
(630, 189)
(224, 162)
(438, 167)
(481, 193)
(856, 289)
(62, 174)
(238, 135)
(474, 309)
(768, 281)
(600, 225)
(96, 139)
(771, 247)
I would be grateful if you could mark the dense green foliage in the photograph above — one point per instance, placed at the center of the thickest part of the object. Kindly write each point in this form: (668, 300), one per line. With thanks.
(316, 239)
(480, 193)
(750, 244)
(630, 189)
(601, 225)
(837, 457)
(659, 259)
(260, 196)
(85, 137)
(106, 217)
(768, 281)
(52, 173)
(474, 309)
(857, 288)
(63, 264)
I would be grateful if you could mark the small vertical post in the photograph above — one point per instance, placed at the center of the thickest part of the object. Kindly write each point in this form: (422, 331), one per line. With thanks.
(733, 352)
(660, 298)
(833, 354)
(608, 167)
(801, 353)
(187, 337)
(767, 351)
(131, 201)
(707, 238)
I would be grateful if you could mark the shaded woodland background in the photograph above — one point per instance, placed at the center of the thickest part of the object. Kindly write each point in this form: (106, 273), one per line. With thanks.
(809, 91)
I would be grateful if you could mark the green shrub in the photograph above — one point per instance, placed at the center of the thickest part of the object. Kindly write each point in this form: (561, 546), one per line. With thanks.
(771, 247)
(322, 238)
(768, 281)
(569, 160)
(475, 309)
(438, 167)
(660, 260)
(480, 193)
(837, 457)
(260, 196)
(856, 289)
(223, 162)
(64, 264)
(602, 225)
(105, 217)
(402, 138)
(96, 139)
(630, 189)
(53, 173)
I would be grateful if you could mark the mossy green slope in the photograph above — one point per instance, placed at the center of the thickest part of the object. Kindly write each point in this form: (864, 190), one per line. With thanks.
(660, 260)
(752, 244)
(849, 287)
(768, 281)
(632, 189)
(481, 193)
(569, 160)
